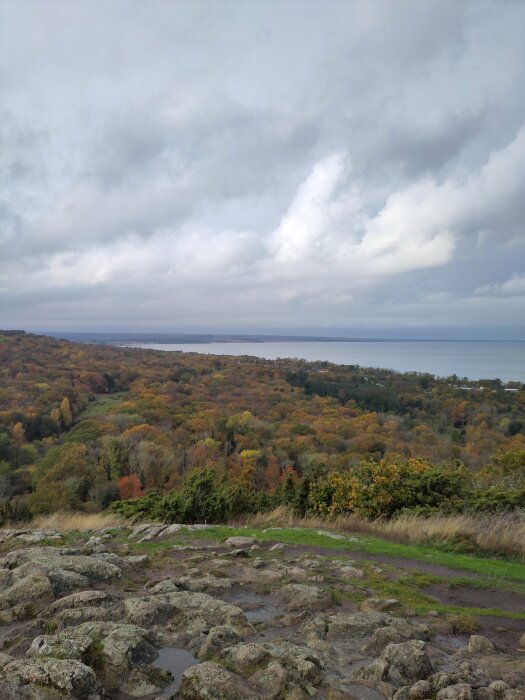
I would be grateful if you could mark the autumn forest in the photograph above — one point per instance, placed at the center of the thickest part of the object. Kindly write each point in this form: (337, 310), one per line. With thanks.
(187, 437)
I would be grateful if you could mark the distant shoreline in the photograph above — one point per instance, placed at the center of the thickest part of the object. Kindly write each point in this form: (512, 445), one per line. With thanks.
(125, 339)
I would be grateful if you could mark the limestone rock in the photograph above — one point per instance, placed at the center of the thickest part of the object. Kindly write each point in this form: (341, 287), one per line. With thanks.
(209, 681)
(461, 691)
(70, 677)
(478, 644)
(300, 596)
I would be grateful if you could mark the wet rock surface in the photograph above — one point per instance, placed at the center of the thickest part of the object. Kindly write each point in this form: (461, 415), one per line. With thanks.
(109, 615)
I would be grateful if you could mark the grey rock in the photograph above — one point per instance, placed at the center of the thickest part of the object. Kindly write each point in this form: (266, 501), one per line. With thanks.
(461, 691)
(244, 659)
(70, 677)
(60, 646)
(420, 691)
(218, 638)
(78, 599)
(399, 664)
(380, 605)
(478, 644)
(300, 596)
(209, 681)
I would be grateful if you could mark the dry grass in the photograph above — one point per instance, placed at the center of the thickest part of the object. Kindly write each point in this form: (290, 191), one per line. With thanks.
(502, 534)
(77, 521)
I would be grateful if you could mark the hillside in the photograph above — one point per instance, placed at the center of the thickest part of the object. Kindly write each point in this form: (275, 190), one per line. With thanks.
(83, 426)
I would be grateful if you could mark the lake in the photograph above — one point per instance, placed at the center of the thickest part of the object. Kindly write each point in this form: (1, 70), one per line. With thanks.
(472, 359)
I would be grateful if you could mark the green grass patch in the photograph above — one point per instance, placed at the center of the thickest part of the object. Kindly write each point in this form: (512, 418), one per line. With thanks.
(103, 404)
(497, 569)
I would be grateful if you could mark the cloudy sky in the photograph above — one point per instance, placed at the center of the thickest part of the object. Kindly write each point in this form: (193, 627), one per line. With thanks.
(348, 166)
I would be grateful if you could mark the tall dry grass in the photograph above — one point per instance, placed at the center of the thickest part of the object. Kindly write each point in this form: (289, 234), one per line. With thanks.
(77, 521)
(501, 534)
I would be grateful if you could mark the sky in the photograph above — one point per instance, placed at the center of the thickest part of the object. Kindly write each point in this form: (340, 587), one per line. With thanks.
(350, 167)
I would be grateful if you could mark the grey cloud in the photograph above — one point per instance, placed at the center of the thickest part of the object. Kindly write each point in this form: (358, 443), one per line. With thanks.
(193, 163)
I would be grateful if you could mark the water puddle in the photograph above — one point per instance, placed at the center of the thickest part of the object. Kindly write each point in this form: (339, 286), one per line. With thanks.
(176, 661)
(256, 607)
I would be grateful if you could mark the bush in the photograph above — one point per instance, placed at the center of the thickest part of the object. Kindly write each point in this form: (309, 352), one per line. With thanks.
(205, 496)
(15, 510)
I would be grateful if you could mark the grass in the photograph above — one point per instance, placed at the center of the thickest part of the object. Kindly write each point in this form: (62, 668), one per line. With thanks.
(102, 405)
(496, 534)
(496, 569)
(81, 522)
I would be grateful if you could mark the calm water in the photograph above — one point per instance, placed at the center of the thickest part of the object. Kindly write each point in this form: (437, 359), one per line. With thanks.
(475, 359)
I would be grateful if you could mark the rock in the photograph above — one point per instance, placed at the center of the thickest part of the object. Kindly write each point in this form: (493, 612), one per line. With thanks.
(499, 688)
(139, 529)
(145, 681)
(63, 581)
(206, 582)
(483, 693)
(442, 679)
(60, 646)
(32, 588)
(240, 541)
(218, 638)
(273, 679)
(478, 644)
(240, 553)
(49, 559)
(209, 681)
(65, 675)
(137, 560)
(172, 529)
(244, 659)
(123, 646)
(71, 617)
(79, 599)
(380, 605)
(184, 610)
(399, 664)
(460, 691)
(402, 693)
(420, 691)
(302, 664)
(278, 546)
(300, 596)
(152, 533)
(522, 641)
(400, 631)
(147, 611)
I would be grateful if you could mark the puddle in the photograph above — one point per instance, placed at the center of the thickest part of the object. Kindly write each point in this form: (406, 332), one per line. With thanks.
(256, 607)
(361, 692)
(174, 660)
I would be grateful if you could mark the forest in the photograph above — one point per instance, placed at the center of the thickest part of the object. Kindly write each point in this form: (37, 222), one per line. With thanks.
(189, 437)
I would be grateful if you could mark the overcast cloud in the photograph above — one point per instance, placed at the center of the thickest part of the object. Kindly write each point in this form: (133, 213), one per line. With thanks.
(285, 166)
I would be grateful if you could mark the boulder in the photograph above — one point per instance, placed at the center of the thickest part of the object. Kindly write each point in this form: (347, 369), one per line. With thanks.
(69, 677)
(380, 605)
(460, 691)
(209, 681)
(300, 596)
(218, 638)
(420, 691)
(399, 664)
(79, 599)
(244, 659)
(477, 644)
(33, 588)
(60, 646)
